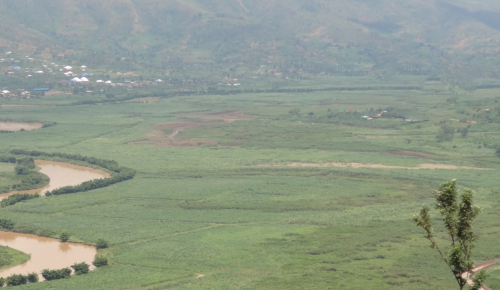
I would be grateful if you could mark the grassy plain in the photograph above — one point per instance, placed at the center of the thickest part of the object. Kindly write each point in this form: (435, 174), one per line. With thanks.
(8, 177)
(10, 257)
(234, 214)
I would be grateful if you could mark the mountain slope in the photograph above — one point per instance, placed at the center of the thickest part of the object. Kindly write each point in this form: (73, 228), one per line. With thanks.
(420, 36)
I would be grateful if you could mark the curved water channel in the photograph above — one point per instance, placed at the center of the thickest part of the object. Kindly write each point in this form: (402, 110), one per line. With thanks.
(47, 253)
(62, 174)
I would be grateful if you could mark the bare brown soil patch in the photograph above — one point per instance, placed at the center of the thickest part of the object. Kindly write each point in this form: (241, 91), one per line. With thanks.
(379, 166)
(51, 93)
(159, 138)
(16, 126)
(411, 154)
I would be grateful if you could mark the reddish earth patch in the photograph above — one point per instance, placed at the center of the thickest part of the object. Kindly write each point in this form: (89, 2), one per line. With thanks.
(159, 138)
(411, 154)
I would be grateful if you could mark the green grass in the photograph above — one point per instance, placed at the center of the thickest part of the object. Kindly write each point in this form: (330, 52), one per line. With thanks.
(8, 177)
(226, 211)
(11, 257)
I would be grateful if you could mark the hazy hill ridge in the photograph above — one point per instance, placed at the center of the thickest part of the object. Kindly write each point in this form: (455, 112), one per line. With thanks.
(417, 36)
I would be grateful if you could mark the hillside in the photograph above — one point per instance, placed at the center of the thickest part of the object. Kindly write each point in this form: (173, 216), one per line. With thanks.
(318, 36)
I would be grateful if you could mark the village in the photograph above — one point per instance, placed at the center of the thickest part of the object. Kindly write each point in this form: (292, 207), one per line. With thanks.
(44, 76)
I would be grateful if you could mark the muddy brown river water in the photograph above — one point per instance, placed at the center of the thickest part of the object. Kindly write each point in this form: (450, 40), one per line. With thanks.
(62, 174)
(45, 253)
(16, 126)
(49, 253)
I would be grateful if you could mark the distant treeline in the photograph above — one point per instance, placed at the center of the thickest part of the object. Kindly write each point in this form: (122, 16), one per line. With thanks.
(25, 169)
(491, 86)
(212, 91)
(120, 173)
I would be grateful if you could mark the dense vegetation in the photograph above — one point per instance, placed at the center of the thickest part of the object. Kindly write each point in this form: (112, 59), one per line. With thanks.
(15, 198)
(27, 173)
(227, 197)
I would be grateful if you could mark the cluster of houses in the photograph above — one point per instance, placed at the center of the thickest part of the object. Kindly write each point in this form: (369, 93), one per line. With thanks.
(18, 94)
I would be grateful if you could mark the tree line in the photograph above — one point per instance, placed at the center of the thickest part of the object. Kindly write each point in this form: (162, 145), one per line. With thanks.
(213, 91)
(49, 275)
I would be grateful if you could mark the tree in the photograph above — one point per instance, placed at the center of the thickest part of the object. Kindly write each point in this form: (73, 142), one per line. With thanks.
(101, 244)
(64, 237)
(100, 261)
(32, 277)
(446, 133)
(16, 280)
(81, 268)
(465, 132)
(56, 274)
(294, 112)
(458, 218)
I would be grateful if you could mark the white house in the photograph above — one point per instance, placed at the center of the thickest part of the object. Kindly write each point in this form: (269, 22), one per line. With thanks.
(108, 82)
(84, 79)
(68, 68)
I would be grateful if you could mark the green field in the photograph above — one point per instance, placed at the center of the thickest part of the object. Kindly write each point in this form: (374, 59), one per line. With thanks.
(239, 212)
(10, 257)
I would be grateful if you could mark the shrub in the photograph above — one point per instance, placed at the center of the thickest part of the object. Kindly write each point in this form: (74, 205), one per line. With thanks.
(56, 274)
(6, 224)
(101, 244)
(100, 261)
(16, 280)
(81, 268)
(2, 282)
(64, 237)
(32, 277)
(18, 197)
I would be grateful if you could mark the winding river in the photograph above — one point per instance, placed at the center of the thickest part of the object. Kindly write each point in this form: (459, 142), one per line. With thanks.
(62, 174)
(49, 253)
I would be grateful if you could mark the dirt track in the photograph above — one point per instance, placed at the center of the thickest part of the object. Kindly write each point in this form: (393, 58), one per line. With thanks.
(159, 138)
(478, 268)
